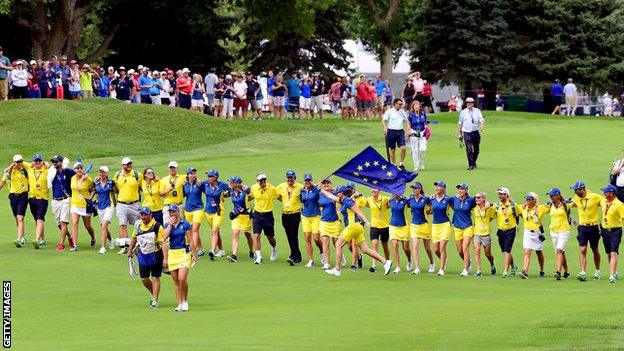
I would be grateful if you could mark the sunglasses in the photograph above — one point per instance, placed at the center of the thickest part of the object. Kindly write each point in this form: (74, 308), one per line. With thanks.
(19, 161)
(478, 197)
(128, 164)
(172, 167)
(37, 160)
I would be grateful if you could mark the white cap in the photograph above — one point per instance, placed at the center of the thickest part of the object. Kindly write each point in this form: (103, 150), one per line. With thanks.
(155, 72)
(77, 164)
(130, 71)
(19, 62)
(173, 164)
(228, 76)
(104, 169)
(17, 157)
(261, 176)
(111, 68)
(140, 67)
(33, 62)
(503, 191)
(185, 70)
(126, 160)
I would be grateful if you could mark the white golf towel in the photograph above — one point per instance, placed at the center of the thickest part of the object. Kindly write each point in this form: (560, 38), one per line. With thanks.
(132, 268)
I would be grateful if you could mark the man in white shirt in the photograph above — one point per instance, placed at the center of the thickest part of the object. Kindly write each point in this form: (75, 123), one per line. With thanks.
(240, 97)
(571, 97)
(396, 128)
(468, 128)
(618, 172)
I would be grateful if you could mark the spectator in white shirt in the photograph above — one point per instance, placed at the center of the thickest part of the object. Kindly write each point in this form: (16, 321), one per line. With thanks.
(571, 97)
(19, 79)
(470, 125)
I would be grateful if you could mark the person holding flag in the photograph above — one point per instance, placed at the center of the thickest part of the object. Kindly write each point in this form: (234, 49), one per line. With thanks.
(420, 227)
(354, 220)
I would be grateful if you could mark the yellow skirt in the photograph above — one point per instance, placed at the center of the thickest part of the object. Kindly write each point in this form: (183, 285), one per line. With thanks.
(331, 229)
(311, 224)
(420, 231)
(354, 231)
(399, 233)
(194, 216)
(461, 233)
(242, 222)
(441, 231)
(178, 258)
(214, 220)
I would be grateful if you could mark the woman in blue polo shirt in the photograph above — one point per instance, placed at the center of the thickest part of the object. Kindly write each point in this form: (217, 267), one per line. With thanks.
(462, 206)
(399, 231)
(441, 224)
(194, 207)
(311, 218)
(420, 228)
(178, 256)
(104, 188)
(240, 216)
(417, 119)
(330, 225)
(215, 191)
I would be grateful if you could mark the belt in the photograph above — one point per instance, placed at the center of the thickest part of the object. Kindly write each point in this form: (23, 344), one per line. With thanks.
(263, 213)
(588, 224)
(38, 198)
(60, 198)
(290, 212)
(128, 203)
(611, 229)
(23, 192)
(178, 204)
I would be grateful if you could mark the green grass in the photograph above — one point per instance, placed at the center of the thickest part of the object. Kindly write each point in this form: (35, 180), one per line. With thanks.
(86, 301)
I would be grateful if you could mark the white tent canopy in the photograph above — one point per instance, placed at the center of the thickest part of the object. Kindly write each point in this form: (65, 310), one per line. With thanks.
(366, 61)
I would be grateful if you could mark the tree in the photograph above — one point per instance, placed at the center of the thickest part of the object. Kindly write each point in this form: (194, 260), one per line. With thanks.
(381, 24)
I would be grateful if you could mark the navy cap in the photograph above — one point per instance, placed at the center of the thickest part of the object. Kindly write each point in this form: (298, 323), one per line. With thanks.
(37, 156)
(528, 196)
(440, 183)
(462, 186)
(174, 208)
(190, 170)
(213, 173)
(145, 210)
(553, 192)
(416, 185)
(342, 189)
(307, 176)
(57, 158)
(236, 179)
(577, 185)
(350, 185)
(609, 189)
(291, 174)
(326, 181)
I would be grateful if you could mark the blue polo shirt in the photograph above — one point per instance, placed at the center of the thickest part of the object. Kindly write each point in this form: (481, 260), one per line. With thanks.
(397, 212)
(293, 87)
(439, 209)
(104, 194)
(270, 82)
(193, 194)
(345, 205)
(417, 208)
(306, 91)
(61, 184)
(462, 210)
(329, 212)
(239, 200)
(556, 90)
(417, 122)
(156, 86)
(145, 80)
(380, 87)
(310, 199)
(104, 86)
(213, 196)
(177, 237)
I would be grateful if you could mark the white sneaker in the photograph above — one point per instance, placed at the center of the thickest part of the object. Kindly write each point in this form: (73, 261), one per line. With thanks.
(322, 259)
(258, 259)
(421, 165)
(431, 268)
(464, 273)
(185, 306)
(469, 265)
(220, 253)
(310, 264)
(111, 244)
(416, 271)
(441, 272)
(326, 266)
(333, 271)
(397, 270)
(74, 248)
(179, 308)
(387, 267)
(123, 251)
(409, 266)
(102, 250)
(273, 253)
(343, 261)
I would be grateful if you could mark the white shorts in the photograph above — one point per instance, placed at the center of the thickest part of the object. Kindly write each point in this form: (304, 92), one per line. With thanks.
(304, 103)
(106, 215)
(81, 211)
(279, 101)
(499, 108)
(485, 240)
(128, 213)
(60, 209)
(317, 102)
(197, 103)
(530, 240)
(559, 240)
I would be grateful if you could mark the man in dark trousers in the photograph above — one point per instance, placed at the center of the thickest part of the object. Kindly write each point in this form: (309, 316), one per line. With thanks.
(468, 128)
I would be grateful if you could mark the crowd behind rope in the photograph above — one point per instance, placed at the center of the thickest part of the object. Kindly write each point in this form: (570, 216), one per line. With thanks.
(331, 216)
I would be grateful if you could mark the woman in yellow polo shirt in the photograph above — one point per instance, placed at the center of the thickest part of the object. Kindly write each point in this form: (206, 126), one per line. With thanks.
(380, 223)
(399, 231)
(559, 229)
(150, 186)
(330, 225)
(420, 227)
(533, 237)
(81, 189)
(483, 215)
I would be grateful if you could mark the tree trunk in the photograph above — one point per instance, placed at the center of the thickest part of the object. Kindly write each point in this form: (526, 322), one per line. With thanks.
(386, 62)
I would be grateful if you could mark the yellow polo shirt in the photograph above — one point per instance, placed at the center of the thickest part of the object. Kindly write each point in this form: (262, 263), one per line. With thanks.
(177, 183)
(128, 186)
(263, 198)
(18, 182)
(504, 215)
(290, 196)
(379, 211)
(612, 214)
(559, 218)
(482, 220)
(151, 195)
(78, 196)
(532, 218)
(37, 181)
(588, 208)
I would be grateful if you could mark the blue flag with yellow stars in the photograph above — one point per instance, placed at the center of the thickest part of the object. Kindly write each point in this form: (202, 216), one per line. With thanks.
(369, 168)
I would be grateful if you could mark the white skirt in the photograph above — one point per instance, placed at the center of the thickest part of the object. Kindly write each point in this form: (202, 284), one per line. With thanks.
(106, 215)
(530, 240)
(81, 211)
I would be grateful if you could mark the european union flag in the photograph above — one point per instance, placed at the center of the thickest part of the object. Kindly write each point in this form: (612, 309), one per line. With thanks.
(371, 169)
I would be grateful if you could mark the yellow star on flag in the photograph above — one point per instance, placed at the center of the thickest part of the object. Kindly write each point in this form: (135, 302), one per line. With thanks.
(376, 163)
(365, 180)
(356, 174)
(375, 182)
(384, 167)
(359, 168)
(367, 164)
(389, 174)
